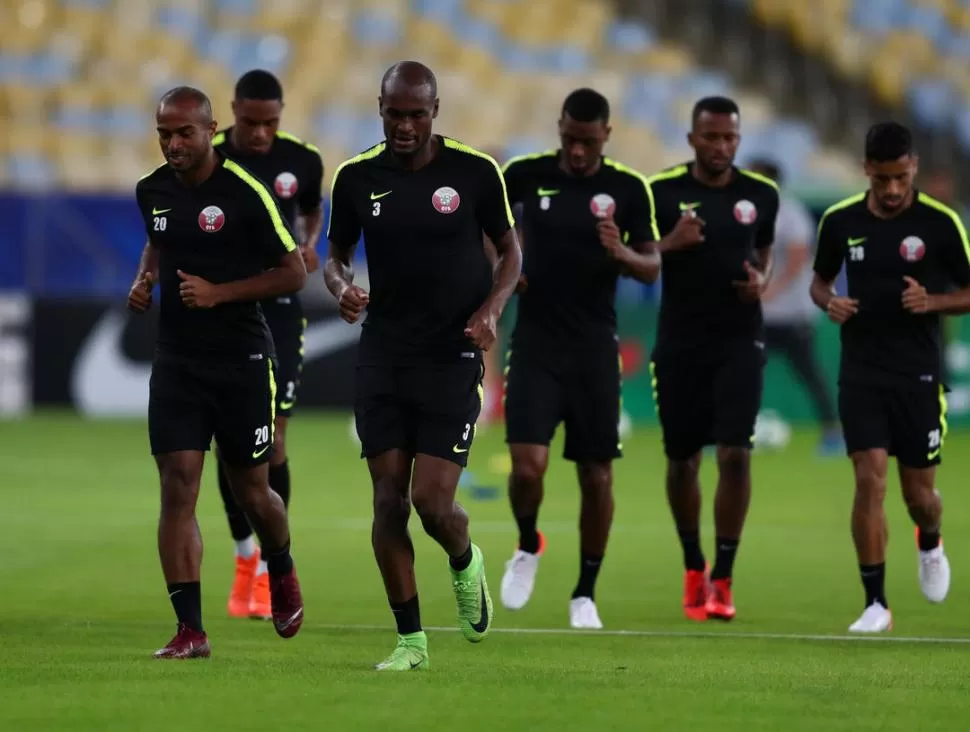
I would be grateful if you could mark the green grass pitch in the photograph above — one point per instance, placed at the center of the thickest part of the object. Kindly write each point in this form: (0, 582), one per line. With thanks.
(84, 604)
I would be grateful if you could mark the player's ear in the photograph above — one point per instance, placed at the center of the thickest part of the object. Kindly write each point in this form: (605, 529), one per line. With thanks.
(213, 126)
(606, 136)
(434, 112)
(380, 106)
(234, 105)
(690, 139)
(914, 165)
(867, 167)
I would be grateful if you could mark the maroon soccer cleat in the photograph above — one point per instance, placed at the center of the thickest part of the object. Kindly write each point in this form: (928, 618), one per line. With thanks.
(187, 643)
(287, 604)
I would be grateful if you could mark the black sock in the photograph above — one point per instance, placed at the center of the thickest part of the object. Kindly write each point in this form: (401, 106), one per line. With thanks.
(928, 540)
(186, 600)
(528, 536)
(279, 481)
(461, 563)
(874, 580)
(727, 549)
(238, 523)
(407, 615)
(693, 556)
(589, 569)
(280, 562)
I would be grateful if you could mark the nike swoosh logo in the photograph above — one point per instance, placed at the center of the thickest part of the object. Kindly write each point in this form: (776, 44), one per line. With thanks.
(415, 665)
(377, 196)
(457, 451)
(853, 242)
(689, 206)
(157, 211)
(257, 453)
(105, 381)
(932, 455)
(548, 191)
(292, 619)
(287, 405)
(482, 625)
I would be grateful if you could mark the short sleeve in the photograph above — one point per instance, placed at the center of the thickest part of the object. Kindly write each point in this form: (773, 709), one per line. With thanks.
(830, 252)
(344, 226)
(514, 173)
(956, 251)
(311, 192)
(641, 219)
(494, 212)
(140, 202)
(768, 220)
(272, 233)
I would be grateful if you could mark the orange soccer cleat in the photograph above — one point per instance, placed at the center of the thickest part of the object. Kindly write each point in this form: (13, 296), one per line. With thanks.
(720, 605)
(260, 603)
(696, 593)
(242, 587)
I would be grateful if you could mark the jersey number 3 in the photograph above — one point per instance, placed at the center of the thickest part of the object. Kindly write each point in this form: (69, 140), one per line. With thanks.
(377, 208)
(161, 223)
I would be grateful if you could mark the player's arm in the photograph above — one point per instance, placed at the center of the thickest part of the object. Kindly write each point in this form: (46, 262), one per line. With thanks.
(140, 295)
(759, 272)
(343, 234)
(495, 217)
(514, 175)
(798, 233)
(311, 214)
(829, 257)
(955, 253)
(635, 251)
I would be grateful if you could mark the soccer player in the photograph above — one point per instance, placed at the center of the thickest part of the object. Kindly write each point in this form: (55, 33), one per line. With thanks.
(709, 355)
(212, 229)
(585, 220)
(788, 309)
(422, 202)
(901, 250)
(295, 171)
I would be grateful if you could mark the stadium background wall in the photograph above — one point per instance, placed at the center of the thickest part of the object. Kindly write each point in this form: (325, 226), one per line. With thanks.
(66, 262)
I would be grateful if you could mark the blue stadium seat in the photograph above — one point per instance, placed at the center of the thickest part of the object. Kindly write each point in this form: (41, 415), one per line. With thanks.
(244, 8)
(221, 46)
(523, 146)
(88, 4)
(126, 121)
(181, 23)
(337, 124)
(477, 32)
(47, 69)
(270, 53)
(76, 119)
(931, 22)
(957, 45)
(962, 123)
(515, 57)
(630, 37)
(374, 28)
(440, 10)
(564, 60)
(705, 83)
(932, 102)
(367, 131)
(30, 170)
(877, 17)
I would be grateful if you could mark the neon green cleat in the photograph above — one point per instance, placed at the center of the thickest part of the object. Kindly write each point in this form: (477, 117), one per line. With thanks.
(411, 654)
(474, 602)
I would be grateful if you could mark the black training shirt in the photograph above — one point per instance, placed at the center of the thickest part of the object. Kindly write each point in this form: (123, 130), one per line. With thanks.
(293, 170)
(700, 308)
(423, 242)
(570, 300)
(883, 344)
(227, 228)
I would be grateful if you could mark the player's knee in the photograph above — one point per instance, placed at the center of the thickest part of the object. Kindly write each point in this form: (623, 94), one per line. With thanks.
(734, 463)
(180, 487)
(595, 478)
(391, 504)
(682, 474)
(528, 468)
(919, 493)
(433, 502)
(870, 478)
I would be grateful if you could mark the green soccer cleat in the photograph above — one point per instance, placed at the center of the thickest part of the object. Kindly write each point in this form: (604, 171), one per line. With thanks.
(411, 654)
(474, 602)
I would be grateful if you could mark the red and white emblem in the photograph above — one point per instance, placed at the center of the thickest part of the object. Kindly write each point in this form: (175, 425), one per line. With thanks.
(285, 185)
(745, 212)
(446, 200)
(602, 205)
(211, 219)
(912, 249)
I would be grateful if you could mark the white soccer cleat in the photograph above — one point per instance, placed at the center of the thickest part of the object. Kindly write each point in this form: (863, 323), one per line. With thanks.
(582, 614)
(519, 579)
(874, 619)
(934, 574)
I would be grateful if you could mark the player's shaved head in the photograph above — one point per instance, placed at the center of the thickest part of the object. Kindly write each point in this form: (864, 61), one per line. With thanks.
(410, 74)
(407, 105)
(186, 98)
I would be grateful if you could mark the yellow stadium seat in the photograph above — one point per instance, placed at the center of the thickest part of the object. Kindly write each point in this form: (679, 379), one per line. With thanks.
(667, 58)
(888, 80)
(24, 103)
(771, 13)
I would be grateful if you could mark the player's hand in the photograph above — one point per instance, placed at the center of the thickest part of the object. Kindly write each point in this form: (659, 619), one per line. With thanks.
(915, 297)
(196, 292)
(140, 295)
(352, 302)
(840, 309)
(310, 258)
(611, 239)
(751, 289)
(687, 232)
(482, 327)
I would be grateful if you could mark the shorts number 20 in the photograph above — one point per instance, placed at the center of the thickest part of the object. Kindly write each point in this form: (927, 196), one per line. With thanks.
(262, 435)
(935, 439)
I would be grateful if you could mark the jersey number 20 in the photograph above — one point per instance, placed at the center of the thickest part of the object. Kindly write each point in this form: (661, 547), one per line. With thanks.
(161, 223)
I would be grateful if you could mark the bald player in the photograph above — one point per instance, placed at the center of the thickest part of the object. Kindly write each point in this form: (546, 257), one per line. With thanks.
(422, 202)
(217, 244)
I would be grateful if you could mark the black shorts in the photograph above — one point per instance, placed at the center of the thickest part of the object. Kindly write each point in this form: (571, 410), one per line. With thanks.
(429, 409)
(192, 401)
(287, 332)
(710, 401)
(910, 424)
(581, 390)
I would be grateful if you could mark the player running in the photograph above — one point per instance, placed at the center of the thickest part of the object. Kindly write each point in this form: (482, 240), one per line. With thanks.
(901, 250)
(295, 171)
(586, 220)
(422, 202)
(212, 228)
(718, 222)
